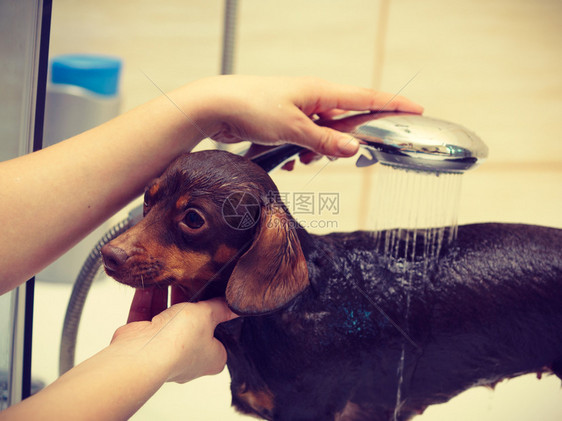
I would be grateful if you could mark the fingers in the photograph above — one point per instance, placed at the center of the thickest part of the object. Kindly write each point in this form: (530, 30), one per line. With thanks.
(380, 101)
(305, 157)
(219, 311)
(329, 100)
(179, 295)
(180, 338)
(326, 97)
(203, 313)
(330, 114)
(271, 111)
(384, 101)
(256, 149)
(325, 140)
(289, 165)
(308, 157)
(147, 303)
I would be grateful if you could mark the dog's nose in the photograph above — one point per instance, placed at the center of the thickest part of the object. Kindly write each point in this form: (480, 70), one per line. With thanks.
(113, 257)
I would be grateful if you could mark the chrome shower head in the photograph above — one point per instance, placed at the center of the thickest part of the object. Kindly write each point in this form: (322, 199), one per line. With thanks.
(401, 140)
(416, 142)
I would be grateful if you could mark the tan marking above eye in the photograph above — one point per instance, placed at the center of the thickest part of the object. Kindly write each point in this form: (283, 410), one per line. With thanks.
(154, 189)
(182, 202)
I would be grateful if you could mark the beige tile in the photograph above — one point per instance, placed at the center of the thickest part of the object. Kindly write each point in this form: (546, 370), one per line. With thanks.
(492, 66)
(513, 194)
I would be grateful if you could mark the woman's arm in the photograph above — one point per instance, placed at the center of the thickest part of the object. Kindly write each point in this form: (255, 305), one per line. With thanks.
(52, 198)
(178, 345)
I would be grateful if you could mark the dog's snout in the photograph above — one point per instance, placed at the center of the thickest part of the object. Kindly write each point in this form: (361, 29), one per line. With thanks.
(113, 257)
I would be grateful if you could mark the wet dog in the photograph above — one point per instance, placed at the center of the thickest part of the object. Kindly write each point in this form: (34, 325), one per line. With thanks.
(327, 320)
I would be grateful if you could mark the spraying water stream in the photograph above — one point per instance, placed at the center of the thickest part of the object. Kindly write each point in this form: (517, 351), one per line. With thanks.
(424, 205)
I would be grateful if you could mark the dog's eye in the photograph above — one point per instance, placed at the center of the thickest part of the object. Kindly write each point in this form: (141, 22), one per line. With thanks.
(147, 203)
(193, 219)
(150, 195)
(145, 207)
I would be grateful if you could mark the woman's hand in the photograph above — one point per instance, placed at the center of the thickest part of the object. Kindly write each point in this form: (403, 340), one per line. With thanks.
(177, 345)
(179, 338)
(276, 110)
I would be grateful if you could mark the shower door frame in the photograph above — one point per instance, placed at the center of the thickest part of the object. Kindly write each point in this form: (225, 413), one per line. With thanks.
(28, 25)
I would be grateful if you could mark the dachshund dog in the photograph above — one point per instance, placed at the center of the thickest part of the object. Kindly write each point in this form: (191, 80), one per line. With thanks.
(330, 330)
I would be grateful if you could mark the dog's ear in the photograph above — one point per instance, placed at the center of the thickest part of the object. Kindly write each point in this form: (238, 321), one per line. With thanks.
(273, 271)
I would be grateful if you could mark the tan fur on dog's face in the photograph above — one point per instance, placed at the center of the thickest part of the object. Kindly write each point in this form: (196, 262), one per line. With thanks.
(168, 247)
(207, 217)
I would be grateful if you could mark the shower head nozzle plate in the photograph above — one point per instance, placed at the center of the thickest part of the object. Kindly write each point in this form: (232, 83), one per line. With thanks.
(416, 142)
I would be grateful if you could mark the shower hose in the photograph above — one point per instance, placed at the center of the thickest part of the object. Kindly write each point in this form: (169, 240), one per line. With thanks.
(82, 285)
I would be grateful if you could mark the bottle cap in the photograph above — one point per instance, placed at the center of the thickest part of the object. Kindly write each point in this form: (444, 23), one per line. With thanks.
(96, 73)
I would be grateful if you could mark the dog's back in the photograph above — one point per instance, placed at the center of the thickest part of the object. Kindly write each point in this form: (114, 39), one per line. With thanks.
(490, 309)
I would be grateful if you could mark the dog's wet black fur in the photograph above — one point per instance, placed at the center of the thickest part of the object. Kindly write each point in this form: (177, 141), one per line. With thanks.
(490, 310)
(326, 320)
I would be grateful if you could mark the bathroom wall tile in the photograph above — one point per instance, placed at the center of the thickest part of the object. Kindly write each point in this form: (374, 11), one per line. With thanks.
(493, 67)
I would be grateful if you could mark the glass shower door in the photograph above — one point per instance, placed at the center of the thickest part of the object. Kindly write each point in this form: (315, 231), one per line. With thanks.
(6, 312)
(24, 30)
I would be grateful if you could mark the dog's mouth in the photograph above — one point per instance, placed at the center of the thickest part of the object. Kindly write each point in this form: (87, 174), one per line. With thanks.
(133, 269)
(138, 279)
(142, 272)
(145, 280)
(110, 272)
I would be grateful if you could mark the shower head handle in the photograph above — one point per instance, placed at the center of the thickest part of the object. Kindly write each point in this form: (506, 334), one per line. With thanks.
(402, 140)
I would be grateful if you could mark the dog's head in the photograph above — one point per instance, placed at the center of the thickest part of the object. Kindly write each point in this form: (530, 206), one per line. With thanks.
(213, 224)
